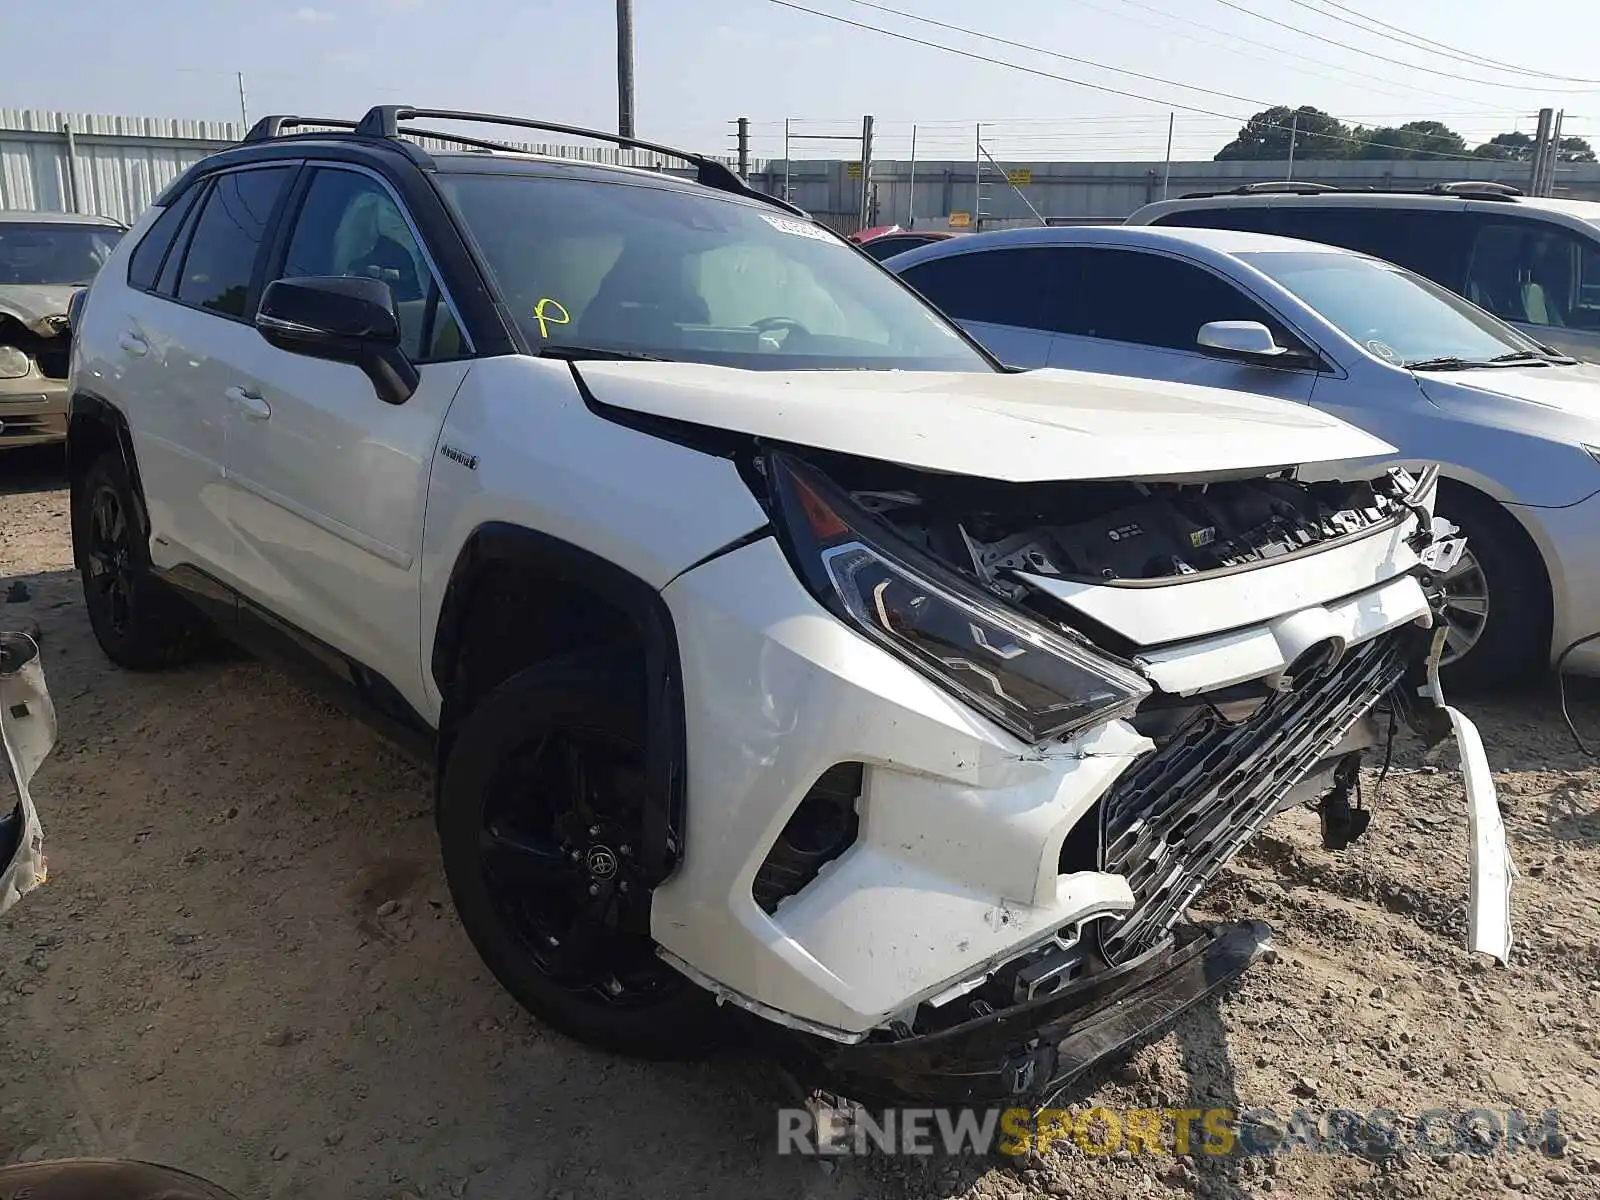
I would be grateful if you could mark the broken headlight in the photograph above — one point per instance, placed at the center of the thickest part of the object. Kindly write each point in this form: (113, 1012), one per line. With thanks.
(1028, 678)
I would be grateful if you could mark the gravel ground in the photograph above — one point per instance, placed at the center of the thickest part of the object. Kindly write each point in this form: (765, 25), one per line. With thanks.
(245, 964)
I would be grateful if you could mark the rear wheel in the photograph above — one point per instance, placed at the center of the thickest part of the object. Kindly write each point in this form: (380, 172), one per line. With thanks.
(541, 806)
(138, 623)
(1496, 599)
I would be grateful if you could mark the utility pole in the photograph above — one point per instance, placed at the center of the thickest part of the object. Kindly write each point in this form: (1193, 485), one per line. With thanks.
(1541, 151)
(866, 169)
(1166, 172)
(786, 195)
(977, 179)
(744, 147)
(911, 185)
(244, 111)
(1294, 136)
(625, 68)
(1553, 159)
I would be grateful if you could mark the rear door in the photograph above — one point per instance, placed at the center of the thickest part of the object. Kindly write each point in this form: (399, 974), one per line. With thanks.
(326, 482)
(1006, 298)
(182, 334)
(1139, 312)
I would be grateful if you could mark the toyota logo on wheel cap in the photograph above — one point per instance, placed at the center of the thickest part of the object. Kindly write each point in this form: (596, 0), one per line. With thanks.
(602, 862)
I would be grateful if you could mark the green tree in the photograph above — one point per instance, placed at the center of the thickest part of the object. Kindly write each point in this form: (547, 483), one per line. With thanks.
(1267, 134)
(1413, 140)
(1518, 147)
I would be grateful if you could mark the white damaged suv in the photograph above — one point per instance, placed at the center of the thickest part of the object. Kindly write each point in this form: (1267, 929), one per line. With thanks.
(773, 644)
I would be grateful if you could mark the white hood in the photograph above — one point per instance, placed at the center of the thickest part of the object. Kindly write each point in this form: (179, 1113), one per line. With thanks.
(1023, 428)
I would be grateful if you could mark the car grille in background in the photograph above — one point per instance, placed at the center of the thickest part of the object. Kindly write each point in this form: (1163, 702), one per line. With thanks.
(1171, 823)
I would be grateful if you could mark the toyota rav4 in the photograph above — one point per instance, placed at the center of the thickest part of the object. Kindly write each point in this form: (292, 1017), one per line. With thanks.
(773, 645)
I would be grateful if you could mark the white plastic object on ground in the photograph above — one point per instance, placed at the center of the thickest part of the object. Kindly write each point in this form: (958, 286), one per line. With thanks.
(28, 729)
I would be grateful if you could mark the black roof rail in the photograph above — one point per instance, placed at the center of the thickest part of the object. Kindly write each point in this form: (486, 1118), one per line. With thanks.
(1476, 189)
(384, 121)
(270, 127)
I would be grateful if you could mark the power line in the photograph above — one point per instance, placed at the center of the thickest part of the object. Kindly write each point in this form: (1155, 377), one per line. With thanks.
(1277, 51)
(1428, 44)
(1099, 87)
(1399, 62)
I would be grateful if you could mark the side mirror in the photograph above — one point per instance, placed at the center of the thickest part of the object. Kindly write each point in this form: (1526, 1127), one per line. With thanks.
(345, 319)
(1241, 339)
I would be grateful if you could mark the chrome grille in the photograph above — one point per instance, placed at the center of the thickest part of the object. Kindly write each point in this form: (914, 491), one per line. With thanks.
(1171, 823)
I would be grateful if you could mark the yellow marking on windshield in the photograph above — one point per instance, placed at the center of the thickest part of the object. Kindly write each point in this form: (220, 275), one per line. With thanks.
(550, 312)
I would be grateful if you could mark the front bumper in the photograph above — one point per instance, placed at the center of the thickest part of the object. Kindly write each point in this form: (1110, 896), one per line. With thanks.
(28, 731)
(1027, 1055)
(957, 865)
(33, 411)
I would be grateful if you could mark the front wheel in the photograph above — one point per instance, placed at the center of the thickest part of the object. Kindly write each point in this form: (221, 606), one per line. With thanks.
(541, 805)
(1496, 598)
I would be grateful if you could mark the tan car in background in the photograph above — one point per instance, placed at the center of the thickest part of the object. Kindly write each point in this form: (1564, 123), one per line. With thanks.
(44, 258)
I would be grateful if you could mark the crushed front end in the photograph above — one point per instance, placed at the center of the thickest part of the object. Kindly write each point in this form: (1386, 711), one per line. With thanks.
(34, 358)
(1002, 735)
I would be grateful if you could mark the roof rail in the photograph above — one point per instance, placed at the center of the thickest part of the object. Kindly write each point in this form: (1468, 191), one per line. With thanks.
(1290, 187)
(384, 121)
(1476, 189)
(270, 127)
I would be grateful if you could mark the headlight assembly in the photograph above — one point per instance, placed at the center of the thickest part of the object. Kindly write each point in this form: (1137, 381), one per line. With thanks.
(14, 364)
(1020, 673)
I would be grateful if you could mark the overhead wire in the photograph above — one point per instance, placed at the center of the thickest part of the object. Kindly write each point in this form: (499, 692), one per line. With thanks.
(1418, 41)
(1099, 87)
(1399, 62)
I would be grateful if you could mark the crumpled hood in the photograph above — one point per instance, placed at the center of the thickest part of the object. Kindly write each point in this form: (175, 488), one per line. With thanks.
(1022, 428)
(37, 305)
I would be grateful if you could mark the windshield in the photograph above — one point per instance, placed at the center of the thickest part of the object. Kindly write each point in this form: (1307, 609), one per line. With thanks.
(50, 253)
(632, 268)
(1397, 316)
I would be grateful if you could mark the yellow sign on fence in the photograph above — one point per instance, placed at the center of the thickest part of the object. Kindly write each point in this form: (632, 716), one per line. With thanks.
(1019, 177)
(853, 170)
(960, 220)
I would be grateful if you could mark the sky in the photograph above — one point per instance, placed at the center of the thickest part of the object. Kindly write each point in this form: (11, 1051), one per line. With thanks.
(702, 63)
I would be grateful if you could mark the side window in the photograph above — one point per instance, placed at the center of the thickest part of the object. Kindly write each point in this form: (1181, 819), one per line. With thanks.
(1535, 273)
(1246, 218)
(145, 263)
(349, 224)
(219, 265)
(1427, 241)
(1153, 300)
(1002, 287)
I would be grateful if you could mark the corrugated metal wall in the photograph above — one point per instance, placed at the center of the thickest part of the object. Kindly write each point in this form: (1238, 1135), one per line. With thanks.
(114, 166)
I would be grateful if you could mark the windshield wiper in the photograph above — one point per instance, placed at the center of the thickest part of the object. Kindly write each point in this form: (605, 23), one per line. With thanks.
(1446, 362)
(597, 354)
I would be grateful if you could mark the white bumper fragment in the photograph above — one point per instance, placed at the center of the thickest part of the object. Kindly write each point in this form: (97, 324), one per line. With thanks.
(1489, 859)
(28, 729)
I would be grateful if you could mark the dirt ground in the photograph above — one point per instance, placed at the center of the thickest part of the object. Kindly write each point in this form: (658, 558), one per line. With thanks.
(245, 965)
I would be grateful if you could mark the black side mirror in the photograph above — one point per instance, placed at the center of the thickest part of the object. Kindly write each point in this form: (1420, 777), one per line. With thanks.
(344, 319)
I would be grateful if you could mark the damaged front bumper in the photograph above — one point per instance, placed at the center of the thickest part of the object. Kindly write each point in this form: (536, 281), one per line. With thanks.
(1028, 1055)
(28, 729)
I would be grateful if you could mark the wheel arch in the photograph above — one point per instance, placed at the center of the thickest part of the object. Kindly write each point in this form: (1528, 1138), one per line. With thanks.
(536, 595)
(95, 426)
(1516, 520)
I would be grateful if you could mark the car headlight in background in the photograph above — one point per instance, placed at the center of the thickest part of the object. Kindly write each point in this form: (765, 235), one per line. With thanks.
(14, 364)
(1025, 676)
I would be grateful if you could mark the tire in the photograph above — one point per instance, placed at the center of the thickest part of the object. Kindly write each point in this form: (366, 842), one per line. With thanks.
(1513, 644)
(509, 833)
(139, 623)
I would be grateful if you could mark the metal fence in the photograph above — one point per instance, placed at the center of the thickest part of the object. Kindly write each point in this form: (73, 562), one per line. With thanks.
(115, 166)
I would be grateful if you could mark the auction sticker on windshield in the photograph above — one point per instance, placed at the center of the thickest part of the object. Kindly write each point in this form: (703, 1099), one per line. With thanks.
(800, 229)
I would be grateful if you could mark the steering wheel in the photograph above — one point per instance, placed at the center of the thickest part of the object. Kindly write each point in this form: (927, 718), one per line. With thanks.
(769, 323)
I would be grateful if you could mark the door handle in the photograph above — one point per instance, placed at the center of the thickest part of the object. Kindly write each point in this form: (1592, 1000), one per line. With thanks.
(133, 344)
(250, 403)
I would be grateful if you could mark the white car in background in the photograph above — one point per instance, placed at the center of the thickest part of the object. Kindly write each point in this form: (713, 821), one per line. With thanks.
(1514, 426)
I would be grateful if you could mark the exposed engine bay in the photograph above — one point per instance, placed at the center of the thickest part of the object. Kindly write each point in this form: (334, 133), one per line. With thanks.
(1108, 532)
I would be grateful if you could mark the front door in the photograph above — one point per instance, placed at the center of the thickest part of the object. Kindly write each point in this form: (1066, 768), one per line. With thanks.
(326, 482)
